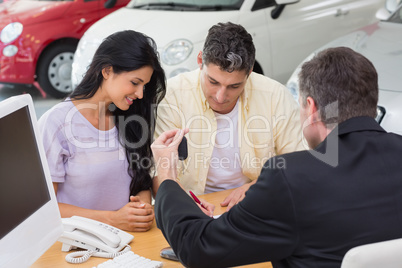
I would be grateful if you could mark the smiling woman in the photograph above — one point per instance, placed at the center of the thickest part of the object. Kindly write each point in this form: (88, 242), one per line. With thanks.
(91, 137)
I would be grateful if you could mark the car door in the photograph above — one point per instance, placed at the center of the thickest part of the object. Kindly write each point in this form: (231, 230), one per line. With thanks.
(308, 24)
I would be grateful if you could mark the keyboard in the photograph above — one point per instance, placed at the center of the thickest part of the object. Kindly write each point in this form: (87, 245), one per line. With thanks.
(130, 260)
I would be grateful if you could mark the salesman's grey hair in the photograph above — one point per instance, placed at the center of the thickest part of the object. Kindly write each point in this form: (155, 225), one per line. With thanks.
(340, 75)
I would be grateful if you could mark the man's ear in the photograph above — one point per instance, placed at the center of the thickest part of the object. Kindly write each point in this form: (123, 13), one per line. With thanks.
(312, 109)
(107, 71)
(199, 59)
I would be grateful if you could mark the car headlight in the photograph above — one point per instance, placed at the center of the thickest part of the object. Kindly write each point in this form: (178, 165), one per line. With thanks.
(177, 51)
(293, 87)
(293, 82)
(11, 32)
(10, 50)
(380, 114)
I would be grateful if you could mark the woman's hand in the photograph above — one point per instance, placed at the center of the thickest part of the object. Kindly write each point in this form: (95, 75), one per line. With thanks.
(136, 216)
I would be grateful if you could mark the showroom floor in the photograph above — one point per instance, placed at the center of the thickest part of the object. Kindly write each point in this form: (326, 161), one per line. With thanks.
(41, 103)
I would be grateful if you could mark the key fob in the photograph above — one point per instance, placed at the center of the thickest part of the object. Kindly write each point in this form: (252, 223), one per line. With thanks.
(183, 152)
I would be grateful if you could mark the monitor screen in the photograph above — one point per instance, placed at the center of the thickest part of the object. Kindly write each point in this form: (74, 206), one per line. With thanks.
(30, 219)
(23, 188)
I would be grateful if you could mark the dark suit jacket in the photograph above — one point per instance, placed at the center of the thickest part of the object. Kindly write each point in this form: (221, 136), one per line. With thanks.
(306, 212)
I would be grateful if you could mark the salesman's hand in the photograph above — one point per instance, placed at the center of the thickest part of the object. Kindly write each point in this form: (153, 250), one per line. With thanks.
(164, 150)
(209, 211)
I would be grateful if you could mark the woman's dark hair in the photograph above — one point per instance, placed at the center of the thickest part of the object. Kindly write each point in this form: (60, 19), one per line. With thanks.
(126, 51)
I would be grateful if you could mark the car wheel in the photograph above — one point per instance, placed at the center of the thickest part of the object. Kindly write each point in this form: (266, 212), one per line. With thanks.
(54, 70)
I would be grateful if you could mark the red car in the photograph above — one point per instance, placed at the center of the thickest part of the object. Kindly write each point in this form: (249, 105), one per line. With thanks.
(38, 39)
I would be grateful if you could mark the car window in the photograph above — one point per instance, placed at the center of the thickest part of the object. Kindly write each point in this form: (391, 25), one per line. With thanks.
(397, 16)
(186, 4)
(260, 4)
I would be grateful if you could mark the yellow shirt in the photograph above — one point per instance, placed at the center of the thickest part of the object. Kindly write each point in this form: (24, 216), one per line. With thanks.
(268, 125)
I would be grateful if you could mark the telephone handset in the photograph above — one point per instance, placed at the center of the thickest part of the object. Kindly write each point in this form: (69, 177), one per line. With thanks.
(98, 238)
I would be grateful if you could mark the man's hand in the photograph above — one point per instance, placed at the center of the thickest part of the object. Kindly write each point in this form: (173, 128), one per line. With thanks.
(164, 150)
(210, 207)
(236, 195)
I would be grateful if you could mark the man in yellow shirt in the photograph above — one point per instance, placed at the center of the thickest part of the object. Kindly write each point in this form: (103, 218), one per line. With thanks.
(237, 119)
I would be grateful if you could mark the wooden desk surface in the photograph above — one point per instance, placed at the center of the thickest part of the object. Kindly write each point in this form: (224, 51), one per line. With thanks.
(147, 244)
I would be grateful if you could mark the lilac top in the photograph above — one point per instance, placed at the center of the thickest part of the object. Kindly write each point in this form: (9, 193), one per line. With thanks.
(90, 165)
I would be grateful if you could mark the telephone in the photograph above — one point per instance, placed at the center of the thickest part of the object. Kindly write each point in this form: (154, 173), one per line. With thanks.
(98, 238)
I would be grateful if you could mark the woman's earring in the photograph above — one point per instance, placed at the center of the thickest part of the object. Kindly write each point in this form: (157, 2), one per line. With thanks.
(112, 107)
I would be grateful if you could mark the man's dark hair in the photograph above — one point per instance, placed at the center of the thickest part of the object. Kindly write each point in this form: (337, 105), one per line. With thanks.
(230, 47)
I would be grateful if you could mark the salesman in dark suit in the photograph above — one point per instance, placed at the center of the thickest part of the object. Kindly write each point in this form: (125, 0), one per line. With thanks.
(345, 192)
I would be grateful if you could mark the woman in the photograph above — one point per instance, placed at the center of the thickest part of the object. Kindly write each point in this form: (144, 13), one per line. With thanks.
(98, 140)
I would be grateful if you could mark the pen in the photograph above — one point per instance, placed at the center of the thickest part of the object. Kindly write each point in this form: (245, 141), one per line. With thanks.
(197, 200)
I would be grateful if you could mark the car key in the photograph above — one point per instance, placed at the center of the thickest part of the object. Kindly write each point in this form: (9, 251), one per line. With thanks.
(183, 152)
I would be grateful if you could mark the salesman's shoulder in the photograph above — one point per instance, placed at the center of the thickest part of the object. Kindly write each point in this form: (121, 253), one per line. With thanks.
(289, 160)
(356, 135)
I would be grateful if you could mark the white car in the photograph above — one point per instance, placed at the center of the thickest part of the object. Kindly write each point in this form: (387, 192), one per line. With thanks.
(381, 43)
(284, 31)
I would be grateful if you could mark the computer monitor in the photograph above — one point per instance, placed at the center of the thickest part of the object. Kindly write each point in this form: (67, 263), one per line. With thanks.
(30, 219)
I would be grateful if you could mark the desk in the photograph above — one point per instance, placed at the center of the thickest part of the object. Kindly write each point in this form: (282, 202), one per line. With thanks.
(147, 244)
